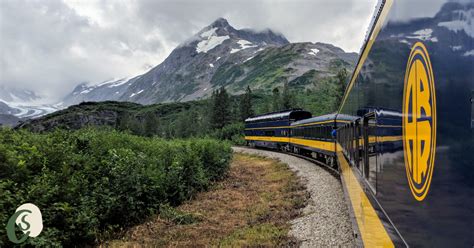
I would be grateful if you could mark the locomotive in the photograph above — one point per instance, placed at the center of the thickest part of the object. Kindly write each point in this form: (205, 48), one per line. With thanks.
(402, 139)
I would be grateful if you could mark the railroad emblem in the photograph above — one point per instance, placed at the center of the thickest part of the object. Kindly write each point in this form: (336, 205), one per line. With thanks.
(419, 121)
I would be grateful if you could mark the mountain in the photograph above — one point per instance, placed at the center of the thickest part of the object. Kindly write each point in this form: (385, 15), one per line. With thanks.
(220, 55)
(9, 120)
(449, 35)
(187, 72)
(108, 90)
(6, 109)
(298, 64)
(451, 28)
(23, 103)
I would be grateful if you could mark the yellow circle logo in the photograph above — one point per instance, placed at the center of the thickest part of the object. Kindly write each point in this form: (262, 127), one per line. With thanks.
(419, 121)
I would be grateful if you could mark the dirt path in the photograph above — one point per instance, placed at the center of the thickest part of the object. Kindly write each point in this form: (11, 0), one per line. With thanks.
(326, 220)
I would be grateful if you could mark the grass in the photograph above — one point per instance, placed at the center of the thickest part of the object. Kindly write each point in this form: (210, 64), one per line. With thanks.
(252, 206)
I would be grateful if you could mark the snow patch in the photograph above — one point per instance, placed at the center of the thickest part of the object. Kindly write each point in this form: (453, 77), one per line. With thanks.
(86, 91)
(456, 48)
(463, 22)
(469, 53)
(211, 65)
(106, 82)
(405, 41)
(134, 94)
(218, 58)
(208, 33)
(210, 41)
(119, 82)
(424, 34)
(244, 44)
(313, 51)
(249, 59)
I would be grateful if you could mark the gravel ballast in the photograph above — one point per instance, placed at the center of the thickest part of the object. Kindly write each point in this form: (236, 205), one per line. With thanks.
(325, 221)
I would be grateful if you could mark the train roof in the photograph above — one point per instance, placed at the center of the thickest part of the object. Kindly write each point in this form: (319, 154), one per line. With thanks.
(321, 118)
(285, 114)
(347, 117)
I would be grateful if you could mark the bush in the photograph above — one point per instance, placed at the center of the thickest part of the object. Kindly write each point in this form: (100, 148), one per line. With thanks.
(89, 183)
(232, 132)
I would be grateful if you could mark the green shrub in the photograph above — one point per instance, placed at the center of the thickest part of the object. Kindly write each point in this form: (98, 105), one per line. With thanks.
(89, 183)
(232, 132)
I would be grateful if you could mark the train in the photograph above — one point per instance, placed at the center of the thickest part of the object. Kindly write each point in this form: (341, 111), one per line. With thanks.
(402, 139)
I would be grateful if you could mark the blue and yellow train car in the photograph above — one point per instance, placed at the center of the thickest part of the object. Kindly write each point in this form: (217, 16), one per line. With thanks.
(272, 130)
(407, 160)
(315, 137)
(403, 137)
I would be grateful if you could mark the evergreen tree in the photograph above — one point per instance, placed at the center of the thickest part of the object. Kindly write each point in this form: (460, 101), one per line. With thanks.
(246, 104)
(225, 107)
(286, 98)
(341, 82)
(221, 112)
(151, 124)
(276, 100)
(185, 125)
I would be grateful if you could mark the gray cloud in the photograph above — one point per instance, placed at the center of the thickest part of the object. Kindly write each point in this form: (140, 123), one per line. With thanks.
(51, 45)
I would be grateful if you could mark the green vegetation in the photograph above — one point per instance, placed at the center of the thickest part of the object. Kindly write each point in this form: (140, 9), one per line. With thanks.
(89, 184)
(221, 111)
(265, 70)
(246, 106)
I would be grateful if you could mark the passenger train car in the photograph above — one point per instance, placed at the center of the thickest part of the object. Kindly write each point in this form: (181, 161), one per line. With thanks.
(272, 130)
(404, 133)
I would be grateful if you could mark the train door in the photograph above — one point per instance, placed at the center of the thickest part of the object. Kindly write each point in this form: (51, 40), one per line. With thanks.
(370, 150)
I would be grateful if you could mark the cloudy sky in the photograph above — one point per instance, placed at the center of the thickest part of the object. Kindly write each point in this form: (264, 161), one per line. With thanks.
(52, 45)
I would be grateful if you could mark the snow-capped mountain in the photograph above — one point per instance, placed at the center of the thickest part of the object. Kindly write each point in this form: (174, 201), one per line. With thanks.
(220, 55)
(187, 72)
(450, 29)
(23, 103)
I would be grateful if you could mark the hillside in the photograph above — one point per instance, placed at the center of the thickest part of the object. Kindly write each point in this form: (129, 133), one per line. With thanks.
(157, 119)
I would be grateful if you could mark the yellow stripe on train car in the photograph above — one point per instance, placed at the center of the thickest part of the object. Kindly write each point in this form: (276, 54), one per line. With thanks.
(268, 138)
(370, 226)
(322, 145)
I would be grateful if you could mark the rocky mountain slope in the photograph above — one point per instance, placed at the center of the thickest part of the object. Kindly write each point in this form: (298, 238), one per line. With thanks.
(220, 55)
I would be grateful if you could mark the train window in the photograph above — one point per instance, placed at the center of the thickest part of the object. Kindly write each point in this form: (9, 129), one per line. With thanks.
(270, 133)
(370, 151)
